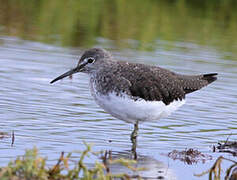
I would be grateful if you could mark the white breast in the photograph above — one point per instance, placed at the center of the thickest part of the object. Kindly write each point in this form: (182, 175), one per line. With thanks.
(129, 110)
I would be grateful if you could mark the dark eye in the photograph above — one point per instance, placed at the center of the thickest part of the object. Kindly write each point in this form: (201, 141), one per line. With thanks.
(90, 60)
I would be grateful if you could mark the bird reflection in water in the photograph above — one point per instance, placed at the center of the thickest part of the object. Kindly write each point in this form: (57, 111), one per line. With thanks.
(145, 167)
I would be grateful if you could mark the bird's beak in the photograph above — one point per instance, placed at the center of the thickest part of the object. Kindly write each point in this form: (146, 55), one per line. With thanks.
(72, 71)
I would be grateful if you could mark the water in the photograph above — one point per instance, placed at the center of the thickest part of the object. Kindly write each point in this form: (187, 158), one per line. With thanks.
(41, 40)
(61, 116)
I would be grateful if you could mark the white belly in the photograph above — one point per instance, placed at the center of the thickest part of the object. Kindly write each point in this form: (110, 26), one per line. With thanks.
(127, 109)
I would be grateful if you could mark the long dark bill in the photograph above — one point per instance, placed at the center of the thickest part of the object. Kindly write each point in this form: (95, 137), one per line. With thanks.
(75, 70)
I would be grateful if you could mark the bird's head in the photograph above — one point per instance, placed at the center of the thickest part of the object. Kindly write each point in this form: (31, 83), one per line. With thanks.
(90, 62)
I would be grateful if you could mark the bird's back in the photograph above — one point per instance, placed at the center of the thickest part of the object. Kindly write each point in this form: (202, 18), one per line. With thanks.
(150, 83)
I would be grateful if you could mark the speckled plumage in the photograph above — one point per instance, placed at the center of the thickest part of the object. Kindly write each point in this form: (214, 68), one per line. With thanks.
(150, 83)
(135, 92)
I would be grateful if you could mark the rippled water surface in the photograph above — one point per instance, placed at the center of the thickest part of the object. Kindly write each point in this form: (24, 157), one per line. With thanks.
(61, 116)
(40, 40)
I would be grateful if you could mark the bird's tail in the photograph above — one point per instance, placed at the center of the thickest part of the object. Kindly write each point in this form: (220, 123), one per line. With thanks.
(193, 83)
(209, 77)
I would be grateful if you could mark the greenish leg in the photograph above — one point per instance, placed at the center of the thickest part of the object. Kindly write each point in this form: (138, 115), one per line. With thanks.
(134, 139)
(135, 132)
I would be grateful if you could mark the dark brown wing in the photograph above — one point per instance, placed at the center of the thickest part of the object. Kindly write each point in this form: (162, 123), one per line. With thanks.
(150, 83)
(153, 83)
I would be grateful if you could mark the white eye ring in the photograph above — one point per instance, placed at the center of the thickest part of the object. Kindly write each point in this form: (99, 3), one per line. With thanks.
(90, 60)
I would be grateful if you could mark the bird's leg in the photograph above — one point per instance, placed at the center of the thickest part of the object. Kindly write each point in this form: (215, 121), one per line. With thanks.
(134, 139)
(134, 133)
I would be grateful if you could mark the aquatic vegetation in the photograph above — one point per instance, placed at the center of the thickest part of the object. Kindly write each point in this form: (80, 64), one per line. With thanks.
(226, 147)
(189, 156)
(215, 171)
(32, 166)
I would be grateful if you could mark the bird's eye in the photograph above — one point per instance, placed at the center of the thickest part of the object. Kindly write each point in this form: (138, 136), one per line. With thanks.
(90, 60)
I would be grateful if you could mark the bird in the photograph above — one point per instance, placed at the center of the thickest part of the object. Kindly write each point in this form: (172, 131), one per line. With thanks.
(135, 92)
